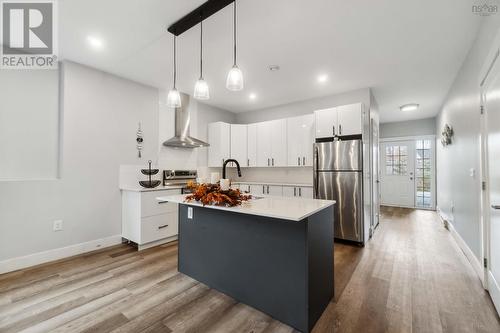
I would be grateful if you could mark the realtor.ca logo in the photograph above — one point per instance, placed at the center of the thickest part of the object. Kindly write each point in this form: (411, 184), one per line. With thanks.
(485, 8)
(28, 36)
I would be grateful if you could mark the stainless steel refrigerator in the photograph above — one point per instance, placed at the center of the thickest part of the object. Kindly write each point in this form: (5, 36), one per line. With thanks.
(338, 175)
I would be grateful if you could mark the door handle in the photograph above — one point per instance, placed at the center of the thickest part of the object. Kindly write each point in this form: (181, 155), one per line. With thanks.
(495, 206)
(298, 160)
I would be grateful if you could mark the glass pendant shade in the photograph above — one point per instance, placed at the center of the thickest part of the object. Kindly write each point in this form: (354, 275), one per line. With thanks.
(234, 80)
(201, 90)
(174, 98)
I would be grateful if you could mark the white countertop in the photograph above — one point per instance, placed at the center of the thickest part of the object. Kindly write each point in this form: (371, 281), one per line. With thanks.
(139, 188)
(294, 209)
(271, 183)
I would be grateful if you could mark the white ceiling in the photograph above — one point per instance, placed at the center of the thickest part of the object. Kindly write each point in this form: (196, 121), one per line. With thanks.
(407, 51)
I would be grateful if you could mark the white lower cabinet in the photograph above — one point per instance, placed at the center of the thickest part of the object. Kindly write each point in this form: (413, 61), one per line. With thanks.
(147, 222)
(298, 191)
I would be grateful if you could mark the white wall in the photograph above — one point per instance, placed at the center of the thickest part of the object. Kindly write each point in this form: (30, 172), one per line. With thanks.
(455, 186)
(408, 128)
(29, 127)
(100, 116)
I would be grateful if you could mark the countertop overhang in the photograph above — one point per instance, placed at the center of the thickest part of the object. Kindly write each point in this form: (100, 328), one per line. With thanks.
(293, 209)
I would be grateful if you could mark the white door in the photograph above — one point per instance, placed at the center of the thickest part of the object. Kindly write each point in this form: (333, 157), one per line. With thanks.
(278, 143)
(491, 100)
(252, 145)
(239, 144)
(350, 119)
(397, 176)
(275, 190)
(325, 123)
(289, 191)
(264, 139)
(307, 139)
(294, 141)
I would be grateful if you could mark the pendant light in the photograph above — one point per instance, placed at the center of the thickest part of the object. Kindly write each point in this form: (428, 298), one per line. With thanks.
(201, 87)
(234, 80)
(174, 98)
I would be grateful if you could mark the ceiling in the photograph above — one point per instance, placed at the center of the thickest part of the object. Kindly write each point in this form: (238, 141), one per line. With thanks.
(407, 51)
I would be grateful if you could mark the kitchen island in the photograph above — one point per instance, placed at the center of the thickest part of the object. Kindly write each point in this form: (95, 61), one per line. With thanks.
(273, 253)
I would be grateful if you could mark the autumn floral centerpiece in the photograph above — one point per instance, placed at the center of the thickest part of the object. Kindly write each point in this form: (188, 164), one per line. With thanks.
(211, 194)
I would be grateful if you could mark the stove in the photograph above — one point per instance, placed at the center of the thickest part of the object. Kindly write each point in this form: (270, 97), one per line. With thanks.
(179, 178)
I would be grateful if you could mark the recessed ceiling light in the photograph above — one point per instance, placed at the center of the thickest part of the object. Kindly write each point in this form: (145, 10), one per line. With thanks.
(95, 42)
(409, 107)
(273, 68)
(252, 96)
(322, 78)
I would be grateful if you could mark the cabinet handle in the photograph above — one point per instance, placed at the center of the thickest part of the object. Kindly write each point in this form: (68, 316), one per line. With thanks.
(162, 202)
(340, 129)
(222, 161)
(163, 226)
(267, 189)
(248, 188)
(268, 162)
(294, 191)
(263, 192)
(300, 191)
(298, 160)
(495, 206)
(272, 159)
(333, 128)
(303, 161)
(248, 162)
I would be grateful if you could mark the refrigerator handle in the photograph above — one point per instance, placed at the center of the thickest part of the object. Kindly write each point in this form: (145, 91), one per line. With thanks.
(315, 172)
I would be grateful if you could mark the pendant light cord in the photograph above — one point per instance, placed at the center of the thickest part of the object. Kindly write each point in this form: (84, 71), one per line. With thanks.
(234, 31)
(175, 62)
(201, 48)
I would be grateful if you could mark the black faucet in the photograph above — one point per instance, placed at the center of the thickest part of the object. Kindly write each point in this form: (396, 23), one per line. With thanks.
(224, 167)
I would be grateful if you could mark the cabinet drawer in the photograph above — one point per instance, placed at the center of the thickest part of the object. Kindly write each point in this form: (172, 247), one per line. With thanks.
(150, 206)
(156, 227)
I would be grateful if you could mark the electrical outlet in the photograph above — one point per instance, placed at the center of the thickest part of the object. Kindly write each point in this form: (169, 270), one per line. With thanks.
(190, 213)
(58, 225)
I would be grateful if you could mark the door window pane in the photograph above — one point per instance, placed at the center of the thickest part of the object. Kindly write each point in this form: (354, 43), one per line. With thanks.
(396, 160)
(423, 164)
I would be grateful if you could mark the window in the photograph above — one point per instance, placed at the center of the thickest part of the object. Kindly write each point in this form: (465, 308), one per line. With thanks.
(396, 160)
(423, 170)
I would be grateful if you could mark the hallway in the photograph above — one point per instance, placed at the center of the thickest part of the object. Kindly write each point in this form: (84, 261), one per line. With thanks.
(412, 277)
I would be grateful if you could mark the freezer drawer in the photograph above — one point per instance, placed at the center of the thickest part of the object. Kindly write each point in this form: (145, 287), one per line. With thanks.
(347, 189)
(338, 155)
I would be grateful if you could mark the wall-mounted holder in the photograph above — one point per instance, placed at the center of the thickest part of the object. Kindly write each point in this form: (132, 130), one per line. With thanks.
(139, 141)
(446, 135)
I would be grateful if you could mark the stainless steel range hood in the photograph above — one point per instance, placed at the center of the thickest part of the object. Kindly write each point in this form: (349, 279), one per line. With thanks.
(182, 139)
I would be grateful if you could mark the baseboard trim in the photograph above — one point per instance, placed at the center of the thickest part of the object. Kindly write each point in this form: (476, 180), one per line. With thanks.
(14, 264)
(474, 261)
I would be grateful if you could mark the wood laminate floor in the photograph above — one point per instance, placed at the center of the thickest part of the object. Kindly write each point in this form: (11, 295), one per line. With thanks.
(410, 278)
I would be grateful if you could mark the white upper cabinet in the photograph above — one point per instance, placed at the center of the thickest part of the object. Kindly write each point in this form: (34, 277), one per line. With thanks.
(339, 121)
(350, 119)
(251, 145)
(264, 138)
(300, 140)
(271, 143)
(326, 123)
(219, 138)
(239, 145)
(278, 143)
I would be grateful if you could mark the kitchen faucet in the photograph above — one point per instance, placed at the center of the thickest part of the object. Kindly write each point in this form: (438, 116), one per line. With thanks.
(225, 164)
